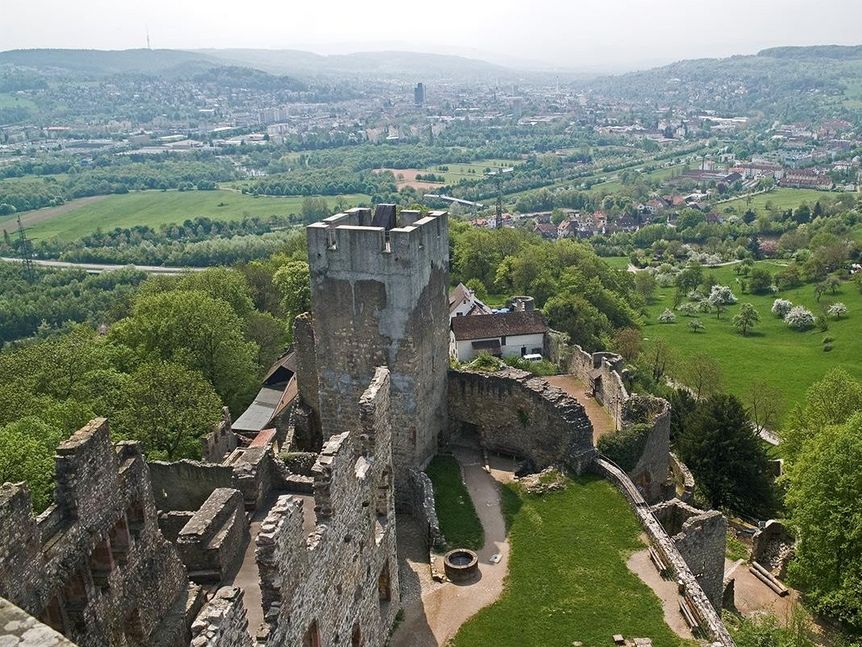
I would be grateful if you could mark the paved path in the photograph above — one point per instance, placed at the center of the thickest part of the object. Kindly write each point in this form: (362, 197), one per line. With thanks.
(443, 608)
(98, 268)
(598, 415)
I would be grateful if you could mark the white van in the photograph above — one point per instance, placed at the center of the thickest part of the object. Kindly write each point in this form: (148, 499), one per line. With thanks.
(535, 357)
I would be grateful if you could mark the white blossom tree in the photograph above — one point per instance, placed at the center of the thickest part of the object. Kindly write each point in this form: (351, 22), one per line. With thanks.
(667, 317)
(837, 310)
(780, 307)
(799, 318)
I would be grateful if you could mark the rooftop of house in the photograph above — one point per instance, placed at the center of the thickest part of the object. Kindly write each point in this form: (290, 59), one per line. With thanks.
(461, 294)
(499, 325)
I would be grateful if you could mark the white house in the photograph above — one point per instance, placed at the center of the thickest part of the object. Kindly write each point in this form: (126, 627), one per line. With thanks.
(510, 334)
(463, 303)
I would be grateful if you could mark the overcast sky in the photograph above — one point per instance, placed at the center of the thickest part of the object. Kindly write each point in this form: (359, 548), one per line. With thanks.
(580, 34)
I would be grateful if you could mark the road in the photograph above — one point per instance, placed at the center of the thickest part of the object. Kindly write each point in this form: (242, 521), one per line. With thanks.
(98, 268)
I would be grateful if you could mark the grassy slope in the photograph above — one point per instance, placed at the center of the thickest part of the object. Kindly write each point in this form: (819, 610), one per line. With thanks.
(781, 199)
(458, 520)
(156, 208)
(789, 360)
(568, 579)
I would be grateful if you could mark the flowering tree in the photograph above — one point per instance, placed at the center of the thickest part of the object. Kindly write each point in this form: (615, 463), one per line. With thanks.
(667, 317)
(720, 296)
(688, 309)
(780, 307)
(799, 318)
(837, 310)
(696, 325)
(746, 318)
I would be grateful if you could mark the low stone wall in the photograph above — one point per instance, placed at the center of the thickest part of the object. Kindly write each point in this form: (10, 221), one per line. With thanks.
(222, 622)
(214, 539)
(425, 510)
(19, 629)
(254, 473)
(667, 549)
(220, 441)
(516, 413)
(701, 538)
(772, 546)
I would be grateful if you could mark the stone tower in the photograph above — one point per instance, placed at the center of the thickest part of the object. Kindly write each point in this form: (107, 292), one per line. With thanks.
(379, 298)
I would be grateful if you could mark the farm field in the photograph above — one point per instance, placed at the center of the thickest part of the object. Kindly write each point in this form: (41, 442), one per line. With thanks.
(568, 580)
(78, 218)
(780, 199)
(454, 174)
(773, 353)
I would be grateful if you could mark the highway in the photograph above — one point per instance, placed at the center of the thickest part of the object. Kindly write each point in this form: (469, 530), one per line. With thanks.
(98, 268)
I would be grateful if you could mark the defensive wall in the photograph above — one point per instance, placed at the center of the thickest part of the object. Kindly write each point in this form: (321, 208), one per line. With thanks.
(94, 565)
(379, 298)
(516, 413)
(339, 584)
(706, 614)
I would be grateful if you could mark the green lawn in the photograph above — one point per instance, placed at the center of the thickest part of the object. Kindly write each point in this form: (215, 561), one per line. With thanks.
(568, 579)
(156, 208)
(780, 199)
(617, 262)
(459, 522)
(14, 101)
(471, 171)
(790, 361)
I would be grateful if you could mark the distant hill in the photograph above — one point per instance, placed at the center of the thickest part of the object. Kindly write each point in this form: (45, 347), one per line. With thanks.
(99, 62)
(834, 52)
(386, 63)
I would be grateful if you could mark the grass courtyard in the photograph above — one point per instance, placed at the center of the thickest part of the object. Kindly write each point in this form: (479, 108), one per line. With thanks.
(779, 199)
(459, 522)
(773, 353)
(568, 580)
(154, 208)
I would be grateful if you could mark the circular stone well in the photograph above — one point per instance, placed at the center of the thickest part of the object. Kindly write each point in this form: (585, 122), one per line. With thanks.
(461, 564)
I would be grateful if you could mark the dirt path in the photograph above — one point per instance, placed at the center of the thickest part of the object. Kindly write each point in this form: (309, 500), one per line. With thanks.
(641, 565)
(443, 608)
(600, 419)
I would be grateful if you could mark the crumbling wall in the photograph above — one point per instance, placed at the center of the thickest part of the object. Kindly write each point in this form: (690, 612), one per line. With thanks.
(667, 549)
(516, 413)
(220, 441)
(652, 471)
(682, 478)
(253, 473)
(20, 629)
(772, 547)
(214, 539)
(222, 622)
(380, 298)
(185, 484)
(340, 582)
(701, 538)
(425, 509)
(94, 566)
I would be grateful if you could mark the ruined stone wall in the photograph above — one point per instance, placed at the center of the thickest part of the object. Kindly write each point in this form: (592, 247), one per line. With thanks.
(425, 510)
(701, 537)
(340, 582)
(214, 539)
(516, 413)
(380, 298)
(222, 622)
(667, 548)
(20, 629)
(682, 478)
(220, 441)
(254, 473)
(652, 472)
(95, 565)
(186, 484)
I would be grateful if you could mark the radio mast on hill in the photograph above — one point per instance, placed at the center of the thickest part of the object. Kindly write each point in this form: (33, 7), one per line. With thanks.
(148, 36)
(25, 251)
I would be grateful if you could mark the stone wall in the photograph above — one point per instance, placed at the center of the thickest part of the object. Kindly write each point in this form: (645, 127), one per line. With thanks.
(95, 566)
(340, 583)
(701, 538)
(185, 484)
(516, 413)
(682, 478)
(222, 622)
(772, 546)
(425, 510)
(380, 298)
(220, 441)
(214, 539)
(667, 548)
(20, 629)
(651, 474)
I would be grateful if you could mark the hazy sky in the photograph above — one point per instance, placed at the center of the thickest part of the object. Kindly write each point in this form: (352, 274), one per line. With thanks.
(585, 34)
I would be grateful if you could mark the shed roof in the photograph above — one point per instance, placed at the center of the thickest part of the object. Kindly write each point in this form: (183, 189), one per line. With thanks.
(499, 325)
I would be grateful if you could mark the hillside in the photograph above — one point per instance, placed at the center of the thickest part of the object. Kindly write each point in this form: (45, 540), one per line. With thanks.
(107, 62)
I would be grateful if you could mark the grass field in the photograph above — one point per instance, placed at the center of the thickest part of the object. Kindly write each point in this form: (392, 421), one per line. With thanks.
(788, 360)
(568, 579)
(471, 171)
(617, 262)
(81, 217)
(459, 522)
(614, 186)
(780, 199)
(13, 101)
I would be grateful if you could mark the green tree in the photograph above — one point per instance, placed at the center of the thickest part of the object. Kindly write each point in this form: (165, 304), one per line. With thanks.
(645, 284)
(169, 408)
(294, 284)
(27, 449)
(478, 289)
(726, 456)
(759, 280)
(195, 330)
(581, 320)
(745, 319)
(823, 495)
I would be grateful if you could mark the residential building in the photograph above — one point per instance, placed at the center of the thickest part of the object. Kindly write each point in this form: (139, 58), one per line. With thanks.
(509, 334)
